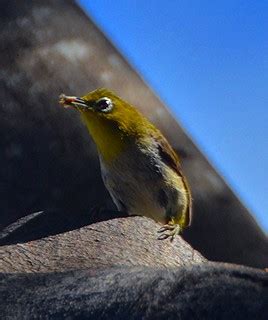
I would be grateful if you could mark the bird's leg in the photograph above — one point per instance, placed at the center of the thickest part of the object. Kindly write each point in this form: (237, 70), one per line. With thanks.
(173, 230)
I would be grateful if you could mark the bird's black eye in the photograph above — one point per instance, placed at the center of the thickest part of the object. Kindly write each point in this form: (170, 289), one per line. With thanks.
(104, 104)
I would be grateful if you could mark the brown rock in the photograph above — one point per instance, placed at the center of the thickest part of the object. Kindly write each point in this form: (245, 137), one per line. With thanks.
(120, 242)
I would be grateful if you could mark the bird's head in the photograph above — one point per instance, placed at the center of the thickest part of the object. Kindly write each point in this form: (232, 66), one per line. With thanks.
(112, 122)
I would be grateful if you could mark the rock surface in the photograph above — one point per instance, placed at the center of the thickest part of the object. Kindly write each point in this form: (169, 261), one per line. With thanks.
(208, 291)
(117, 269)
(118, 242)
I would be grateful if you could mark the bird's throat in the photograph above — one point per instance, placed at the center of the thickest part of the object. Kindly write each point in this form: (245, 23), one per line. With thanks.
(109, 139)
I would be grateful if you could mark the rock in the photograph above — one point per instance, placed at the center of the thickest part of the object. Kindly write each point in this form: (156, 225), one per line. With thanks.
(117, 242)
(205, 291)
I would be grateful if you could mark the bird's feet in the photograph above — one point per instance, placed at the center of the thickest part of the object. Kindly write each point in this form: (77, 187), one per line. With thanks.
(173, 231)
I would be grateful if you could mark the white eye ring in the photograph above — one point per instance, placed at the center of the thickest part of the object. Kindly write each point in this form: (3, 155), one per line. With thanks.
(104, 104)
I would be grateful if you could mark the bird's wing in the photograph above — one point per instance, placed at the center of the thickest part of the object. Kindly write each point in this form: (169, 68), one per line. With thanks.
(170, 158)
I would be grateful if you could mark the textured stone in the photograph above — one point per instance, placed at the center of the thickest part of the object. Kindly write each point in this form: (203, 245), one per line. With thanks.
(117, 242)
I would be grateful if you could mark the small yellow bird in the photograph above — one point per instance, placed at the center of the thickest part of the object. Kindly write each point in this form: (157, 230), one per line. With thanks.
(139, 167)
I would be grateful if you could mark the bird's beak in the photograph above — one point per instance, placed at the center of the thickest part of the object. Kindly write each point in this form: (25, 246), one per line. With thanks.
(75, 102)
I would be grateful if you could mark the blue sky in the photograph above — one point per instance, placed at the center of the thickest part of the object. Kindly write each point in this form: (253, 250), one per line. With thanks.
(208, 61)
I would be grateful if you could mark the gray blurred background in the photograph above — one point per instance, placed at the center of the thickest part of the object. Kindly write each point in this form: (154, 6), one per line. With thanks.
(48, 162)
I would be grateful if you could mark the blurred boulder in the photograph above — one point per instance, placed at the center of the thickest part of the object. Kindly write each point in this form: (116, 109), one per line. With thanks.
(209, 291)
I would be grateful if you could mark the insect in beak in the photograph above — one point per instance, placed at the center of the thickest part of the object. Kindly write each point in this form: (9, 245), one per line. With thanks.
(75, 102)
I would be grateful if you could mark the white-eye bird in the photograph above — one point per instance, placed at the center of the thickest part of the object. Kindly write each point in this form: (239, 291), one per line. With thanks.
(139, 167)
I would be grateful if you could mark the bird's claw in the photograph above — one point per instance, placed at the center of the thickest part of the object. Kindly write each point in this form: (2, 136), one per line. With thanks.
(174, 231)
(163, 236)
(165, 228)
